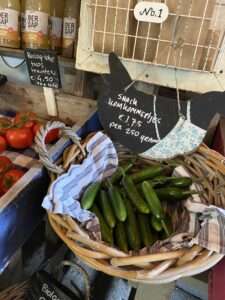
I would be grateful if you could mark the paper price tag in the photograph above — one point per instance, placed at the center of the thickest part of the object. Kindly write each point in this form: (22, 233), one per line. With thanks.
(43, 68)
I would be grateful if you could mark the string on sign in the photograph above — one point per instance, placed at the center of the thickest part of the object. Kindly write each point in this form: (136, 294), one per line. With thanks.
(219, 82)
(10, 66)
(156, 116)
(177, 45)
(115, 25)
(211, 38)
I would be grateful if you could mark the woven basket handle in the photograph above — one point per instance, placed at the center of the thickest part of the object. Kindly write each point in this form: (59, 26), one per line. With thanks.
(41, 148)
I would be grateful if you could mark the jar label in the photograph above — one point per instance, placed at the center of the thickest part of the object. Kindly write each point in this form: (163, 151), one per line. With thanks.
(69, 28)
(56, 27)
(36, 22)
(9, 28)
(9, 19)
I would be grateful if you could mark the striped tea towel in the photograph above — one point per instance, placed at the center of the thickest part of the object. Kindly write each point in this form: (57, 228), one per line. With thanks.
(64, 194)
(212, 228)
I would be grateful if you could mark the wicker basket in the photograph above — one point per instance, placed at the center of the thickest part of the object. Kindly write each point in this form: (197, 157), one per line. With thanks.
(153, 268)
(16, 292)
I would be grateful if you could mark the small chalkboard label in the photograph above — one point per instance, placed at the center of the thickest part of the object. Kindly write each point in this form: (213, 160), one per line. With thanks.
(43, 68)
(152, 12)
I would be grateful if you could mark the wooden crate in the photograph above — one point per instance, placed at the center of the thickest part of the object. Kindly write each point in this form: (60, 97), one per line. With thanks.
(20, 208)
(191, 41)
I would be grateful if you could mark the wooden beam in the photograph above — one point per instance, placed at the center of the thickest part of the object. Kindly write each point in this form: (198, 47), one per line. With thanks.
(50, 101)
(71, 109)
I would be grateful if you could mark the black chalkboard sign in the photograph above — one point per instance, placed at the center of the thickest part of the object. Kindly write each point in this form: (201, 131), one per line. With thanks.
(139, 121)
(43, 68)
(133, 118)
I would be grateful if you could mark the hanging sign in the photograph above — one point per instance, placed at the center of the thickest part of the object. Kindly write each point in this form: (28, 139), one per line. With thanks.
(140, 121)
(151, 12)
(135, 119)
(43, 68)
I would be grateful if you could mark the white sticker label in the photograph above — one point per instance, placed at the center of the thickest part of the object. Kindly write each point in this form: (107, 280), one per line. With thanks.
(151, 12)
(56, 27)
(36, 22)
(69, 28)
(9, 19)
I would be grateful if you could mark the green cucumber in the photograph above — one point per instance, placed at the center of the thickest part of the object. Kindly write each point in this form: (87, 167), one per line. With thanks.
(106, 232)
(118, 204)
(89, 195)
(152, 200)
(146, 233)
(154, 204)
(156, 224)
(174, 194)
(106, 209)
(134, 195)
(121, 237)
(147, 173)
(180, 182)
(132, 230)
(117, 176)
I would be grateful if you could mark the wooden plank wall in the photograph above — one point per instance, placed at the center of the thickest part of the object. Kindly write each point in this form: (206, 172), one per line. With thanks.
(72, 109)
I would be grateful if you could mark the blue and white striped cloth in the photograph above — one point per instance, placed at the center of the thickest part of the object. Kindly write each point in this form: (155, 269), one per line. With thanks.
(64, 194)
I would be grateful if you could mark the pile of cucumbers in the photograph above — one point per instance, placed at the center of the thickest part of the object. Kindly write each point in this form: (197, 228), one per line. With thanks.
(128, 205)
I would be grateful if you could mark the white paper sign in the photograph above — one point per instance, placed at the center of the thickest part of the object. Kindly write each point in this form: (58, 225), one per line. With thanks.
(151, 12)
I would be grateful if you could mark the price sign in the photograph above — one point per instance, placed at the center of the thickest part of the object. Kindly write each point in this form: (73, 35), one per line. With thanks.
(139, 121)
(43, 68)
(135, 119)
(151, 12)
(130, 117)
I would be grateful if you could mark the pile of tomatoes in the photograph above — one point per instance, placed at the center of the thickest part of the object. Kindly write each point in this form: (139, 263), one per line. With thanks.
(19, 132)
(9, 174)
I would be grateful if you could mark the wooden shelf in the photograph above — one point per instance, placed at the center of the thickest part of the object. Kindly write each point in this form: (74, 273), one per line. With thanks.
(19, 53)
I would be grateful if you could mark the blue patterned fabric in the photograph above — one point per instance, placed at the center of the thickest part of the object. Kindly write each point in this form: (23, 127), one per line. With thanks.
(183, 139)
(65, 192)
(179, 294)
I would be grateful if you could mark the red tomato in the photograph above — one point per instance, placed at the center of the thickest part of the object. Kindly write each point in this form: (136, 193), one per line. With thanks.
(5, 163)
(36, 128)
(3, 144)
(29, 124)
(5, 124)
(25, 119)
(10, 178)
(51, 137)
(19, 138)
